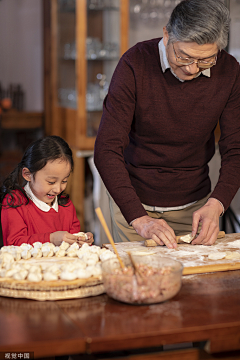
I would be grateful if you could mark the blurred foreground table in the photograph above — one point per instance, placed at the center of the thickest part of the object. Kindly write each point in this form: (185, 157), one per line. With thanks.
(206, 311)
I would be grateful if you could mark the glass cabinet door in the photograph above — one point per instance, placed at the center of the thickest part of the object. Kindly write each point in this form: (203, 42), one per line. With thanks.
(66, 53)
(102, 53)
(88, 37)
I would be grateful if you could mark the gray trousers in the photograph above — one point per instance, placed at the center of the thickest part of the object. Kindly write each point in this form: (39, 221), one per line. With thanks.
(179, 220)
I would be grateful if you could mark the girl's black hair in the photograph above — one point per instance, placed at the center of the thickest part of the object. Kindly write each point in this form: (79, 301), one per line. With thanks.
(35, 158)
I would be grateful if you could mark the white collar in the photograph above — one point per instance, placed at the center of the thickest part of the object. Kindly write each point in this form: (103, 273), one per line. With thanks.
(40, 204)
(165, 64)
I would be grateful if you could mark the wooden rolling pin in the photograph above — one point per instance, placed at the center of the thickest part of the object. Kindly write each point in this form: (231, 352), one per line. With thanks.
(151, 242)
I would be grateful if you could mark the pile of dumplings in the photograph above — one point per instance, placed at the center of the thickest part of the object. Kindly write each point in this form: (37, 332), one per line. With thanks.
(86, 261)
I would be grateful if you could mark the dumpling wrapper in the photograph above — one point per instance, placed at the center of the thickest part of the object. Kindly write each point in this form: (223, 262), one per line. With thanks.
(217, 255)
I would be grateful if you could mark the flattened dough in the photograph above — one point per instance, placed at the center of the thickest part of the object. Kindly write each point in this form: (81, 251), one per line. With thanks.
(232, 255)
(217, 255)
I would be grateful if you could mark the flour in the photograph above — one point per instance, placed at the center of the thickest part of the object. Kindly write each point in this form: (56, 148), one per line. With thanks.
(235, 243)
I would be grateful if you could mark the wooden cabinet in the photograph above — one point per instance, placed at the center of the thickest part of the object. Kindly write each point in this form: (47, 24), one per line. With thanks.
(83, 41)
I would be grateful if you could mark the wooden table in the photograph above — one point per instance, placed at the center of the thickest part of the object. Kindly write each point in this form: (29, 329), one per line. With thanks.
(207, 308)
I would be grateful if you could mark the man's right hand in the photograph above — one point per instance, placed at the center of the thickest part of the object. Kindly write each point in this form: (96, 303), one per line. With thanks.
(156, 229)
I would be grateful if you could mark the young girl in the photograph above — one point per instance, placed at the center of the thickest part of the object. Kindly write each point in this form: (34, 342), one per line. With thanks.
(40, 211)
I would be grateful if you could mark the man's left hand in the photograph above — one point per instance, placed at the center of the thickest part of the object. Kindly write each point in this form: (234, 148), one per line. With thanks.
(208, 216)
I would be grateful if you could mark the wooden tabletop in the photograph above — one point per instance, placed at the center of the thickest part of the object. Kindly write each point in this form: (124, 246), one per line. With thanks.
(207, 308)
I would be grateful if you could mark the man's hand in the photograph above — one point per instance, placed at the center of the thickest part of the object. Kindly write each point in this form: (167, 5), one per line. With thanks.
(156, 229)
(208, 216)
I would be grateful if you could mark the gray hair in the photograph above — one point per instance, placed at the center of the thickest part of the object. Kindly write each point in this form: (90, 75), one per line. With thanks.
(200, 21)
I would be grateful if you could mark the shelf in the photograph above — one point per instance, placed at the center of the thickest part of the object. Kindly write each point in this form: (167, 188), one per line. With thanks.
(14, 119)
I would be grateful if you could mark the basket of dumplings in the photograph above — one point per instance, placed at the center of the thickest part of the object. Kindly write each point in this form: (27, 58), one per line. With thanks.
(49, 272)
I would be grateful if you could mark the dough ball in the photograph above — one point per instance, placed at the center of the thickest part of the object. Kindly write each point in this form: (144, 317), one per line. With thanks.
(36, 252)
(217, 255)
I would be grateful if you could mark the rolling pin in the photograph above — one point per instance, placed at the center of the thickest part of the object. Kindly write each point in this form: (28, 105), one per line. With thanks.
(151, 242)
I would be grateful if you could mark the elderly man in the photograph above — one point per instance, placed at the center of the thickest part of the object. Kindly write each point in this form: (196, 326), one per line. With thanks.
(156, 135)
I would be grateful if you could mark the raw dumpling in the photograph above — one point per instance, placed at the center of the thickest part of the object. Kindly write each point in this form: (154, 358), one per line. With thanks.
(64, 245)
(49, 276)
(6, 260)
(47, 251)
(82, 234)
(20, 275)
(232, 255)
(68, 275)
(60, 253)
(25, 254)
(26, 246)
(37, 245)
(36, 252)
(74, 246)
(34, 276)
(217, 255)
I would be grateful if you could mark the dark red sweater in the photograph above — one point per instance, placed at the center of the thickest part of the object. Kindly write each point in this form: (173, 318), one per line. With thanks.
(156, 135)
(28, 224)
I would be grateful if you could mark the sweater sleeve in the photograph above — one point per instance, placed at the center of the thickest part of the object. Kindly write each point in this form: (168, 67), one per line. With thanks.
(14, 229)
(113, 138)
(229, 146)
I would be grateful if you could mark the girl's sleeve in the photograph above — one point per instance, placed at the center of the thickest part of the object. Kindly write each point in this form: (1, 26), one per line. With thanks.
(14, 229)
(75, 226)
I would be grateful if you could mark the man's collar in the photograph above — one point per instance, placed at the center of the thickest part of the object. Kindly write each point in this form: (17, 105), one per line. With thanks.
(40, 204)
(165, 64)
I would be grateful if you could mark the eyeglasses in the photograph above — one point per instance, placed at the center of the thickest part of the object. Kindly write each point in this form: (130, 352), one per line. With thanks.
(200, 63)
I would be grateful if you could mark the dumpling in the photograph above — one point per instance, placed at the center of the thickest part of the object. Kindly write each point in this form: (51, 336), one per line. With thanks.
(34, 276)
(20, 275)
(82, 234)
(36, 252)
(26, 246)
(74, 246)
(49, 245)
(60, 252)
(93, 259)
(68, 275)
(49, 276)
(37, 245)
(25, 254)
(6, 260)
(47, 251)
(64, 245)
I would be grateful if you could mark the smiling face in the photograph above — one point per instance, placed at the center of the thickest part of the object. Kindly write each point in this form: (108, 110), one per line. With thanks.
(50, 181)
(187, 50)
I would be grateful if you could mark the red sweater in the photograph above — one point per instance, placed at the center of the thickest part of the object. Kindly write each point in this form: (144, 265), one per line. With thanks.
(28, 224)
(156, 134)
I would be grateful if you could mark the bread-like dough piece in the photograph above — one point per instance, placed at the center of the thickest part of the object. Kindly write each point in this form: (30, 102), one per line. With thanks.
(83, 274)
(232, 255)
(64, 245)
(72, 253)
(35, 269)
(85, 246)
(55, 269)
(49, 245)
(217, 255)
(16, 254)
(107, 255)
